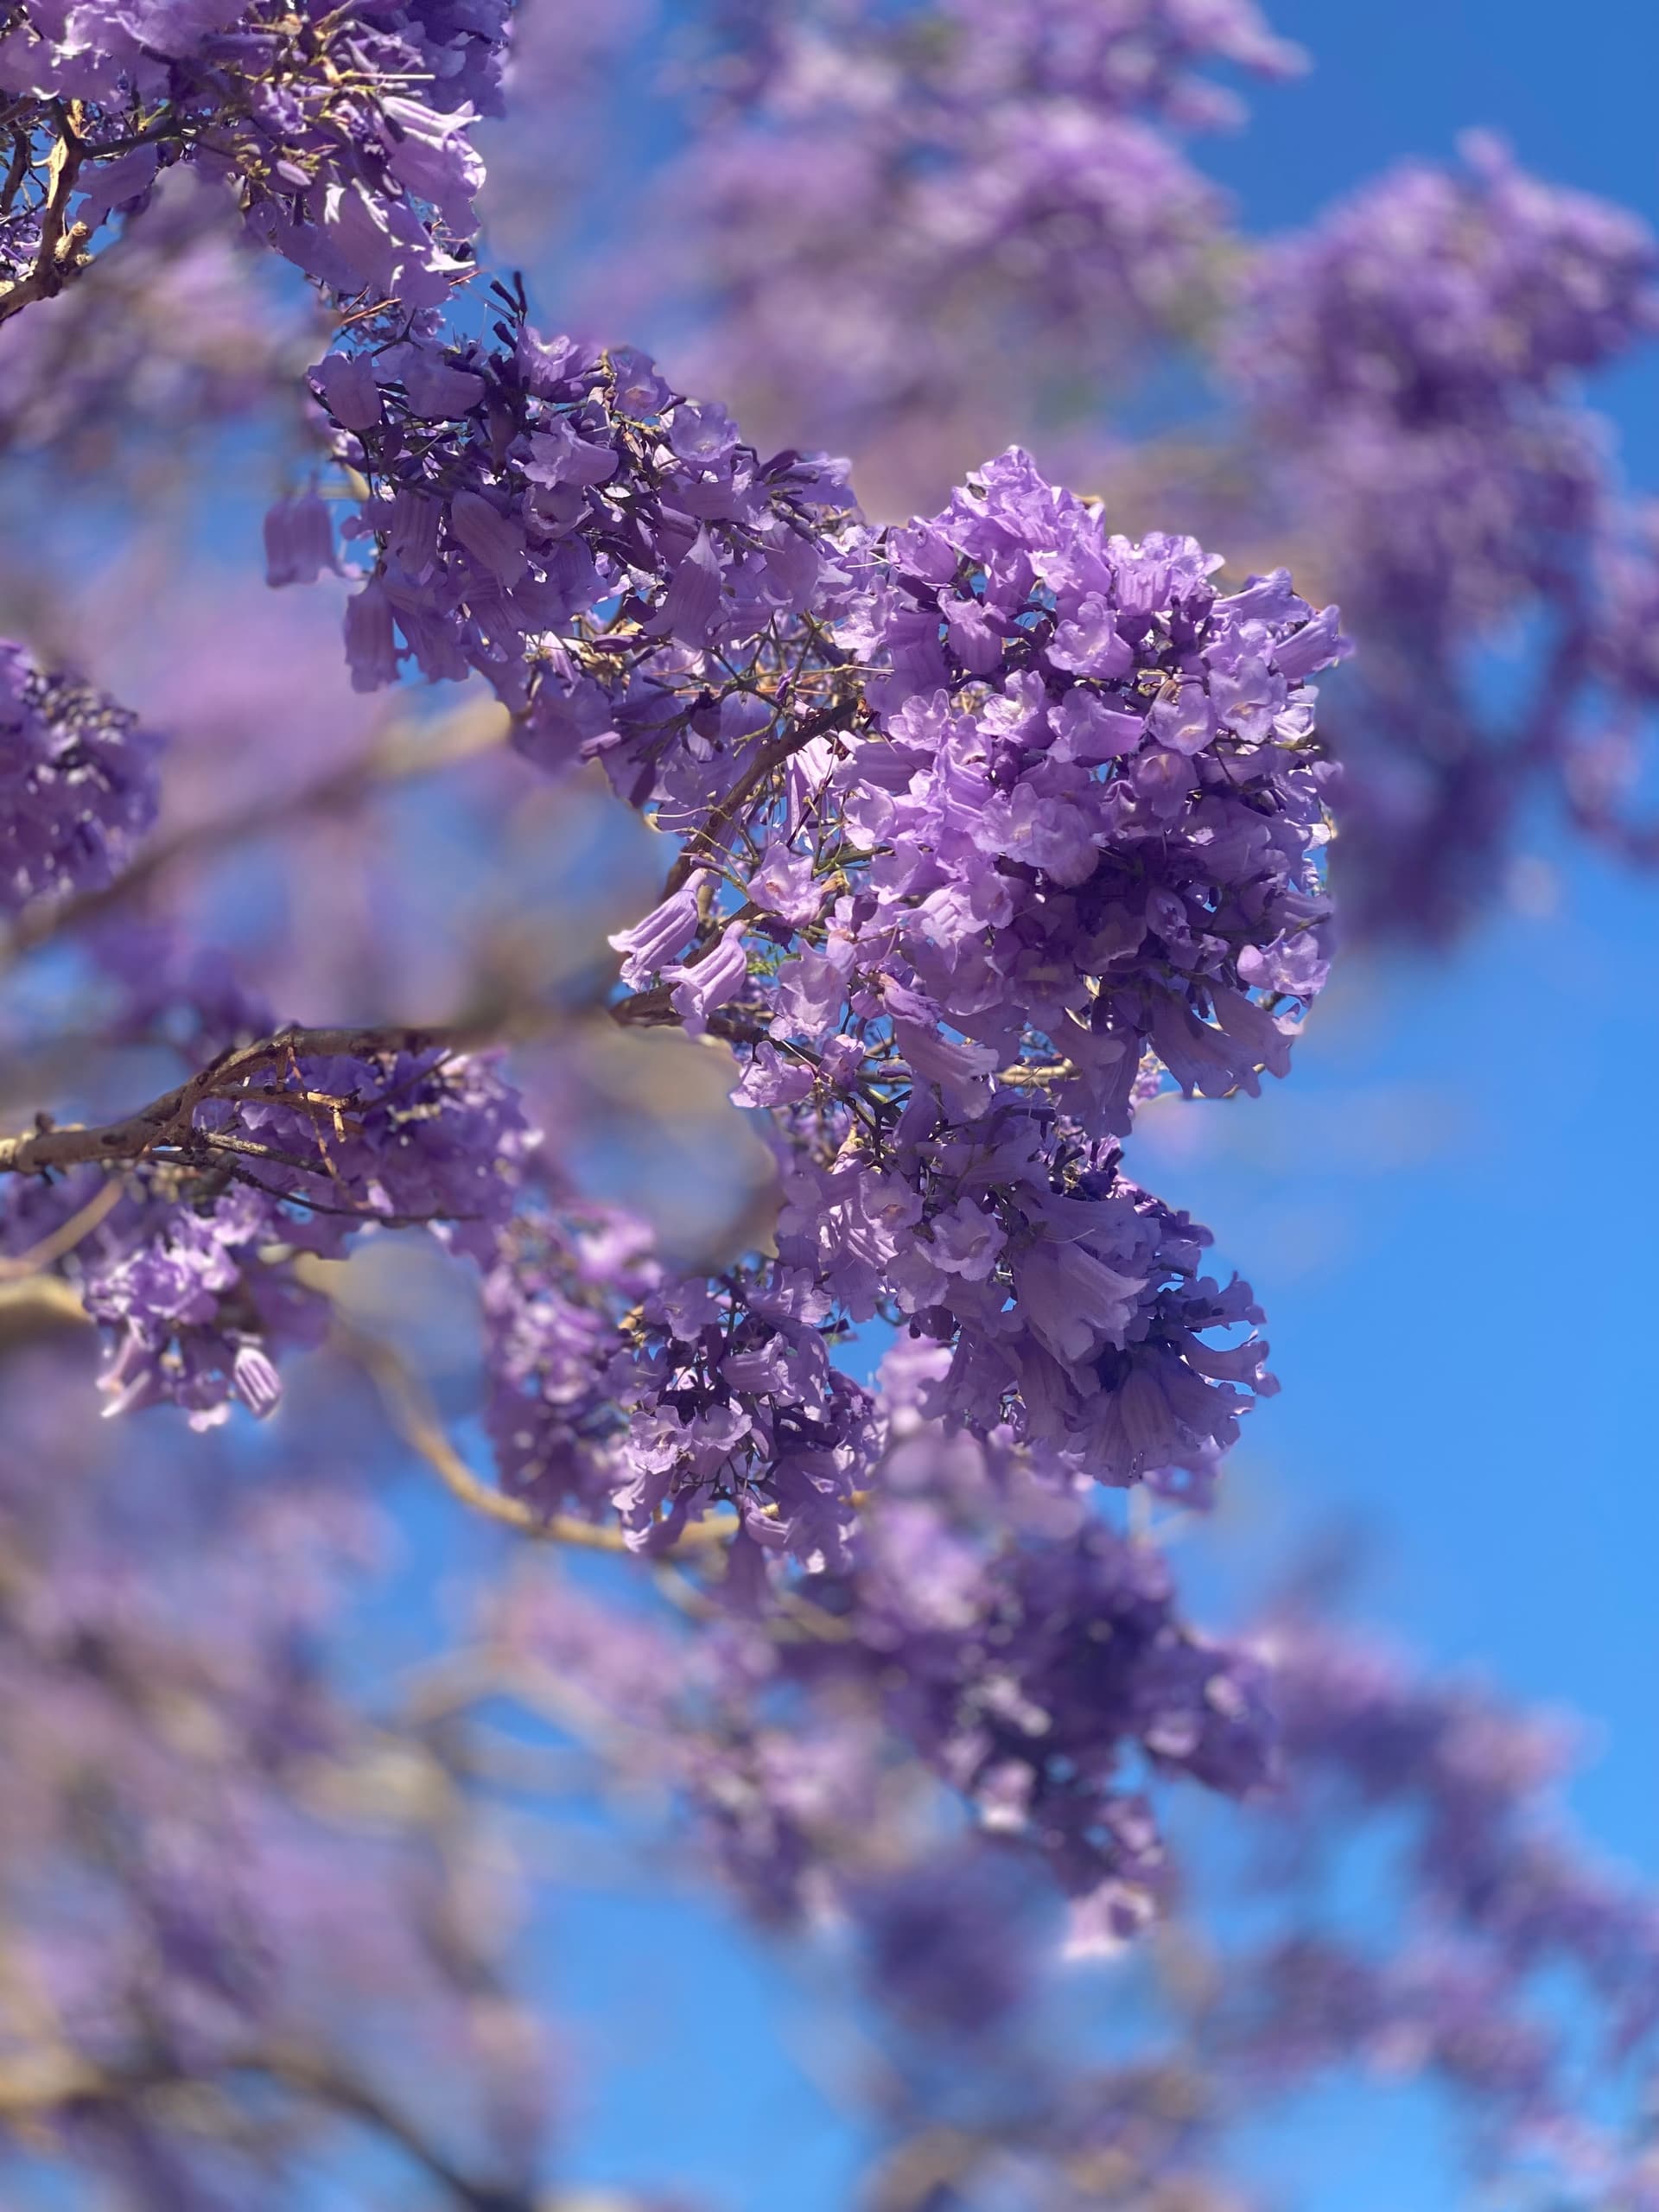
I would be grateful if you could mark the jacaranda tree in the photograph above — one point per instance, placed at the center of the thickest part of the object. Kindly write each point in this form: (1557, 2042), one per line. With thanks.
(835, 888)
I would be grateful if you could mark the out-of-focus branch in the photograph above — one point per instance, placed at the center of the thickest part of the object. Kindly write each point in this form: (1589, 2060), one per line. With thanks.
(38, 1306)
(61, 2083)
(400, 757)
(414, 1418)
(925, 2170)
(62, 1240)
(654, 1009)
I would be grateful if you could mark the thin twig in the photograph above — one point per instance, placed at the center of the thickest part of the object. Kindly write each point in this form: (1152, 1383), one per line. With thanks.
(64, 1238)
(398, 758)
(62, 2083)
(706, 841)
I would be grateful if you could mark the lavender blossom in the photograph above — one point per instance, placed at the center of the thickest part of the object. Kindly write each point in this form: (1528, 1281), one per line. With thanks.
(518, 492)
(78, 783)
(1064, 836)
(1031, 208)
(615, 1384)
(1033, 1662)
(195, 1271)
(1413, 359)
(196, 1912)
(345, 134)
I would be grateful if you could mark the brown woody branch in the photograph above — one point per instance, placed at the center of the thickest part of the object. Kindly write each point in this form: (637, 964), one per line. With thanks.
(413, 1416)
(705, 843)
(169, 1123)
(60, 248)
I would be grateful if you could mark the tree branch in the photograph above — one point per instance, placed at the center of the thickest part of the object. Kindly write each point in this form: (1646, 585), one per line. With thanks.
(169, 1120)
(59, 251)
(398, 758)
(703, 844)
(35, 1306)
(64, 2084)
(416, 1422)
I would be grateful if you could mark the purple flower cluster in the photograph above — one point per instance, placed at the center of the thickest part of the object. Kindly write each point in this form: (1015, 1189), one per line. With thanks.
(1517, 1888)
(195, 1271)
(78, 782)
(1144, 55)
(731, 1397)
(1032, 1660)
(1028, 210)
(344, 129)
(1072, 1302)
(1483, 1949)
(519, 492)
(614, 1383)
(1443, 296)
(1069, 840)
(554, 1300)
(993, 1634)
(910, 229)
(193, 1902)
(1412, 363)
(988, 822)
(1096, 787)
(989, 1633)
(1029, 1653)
